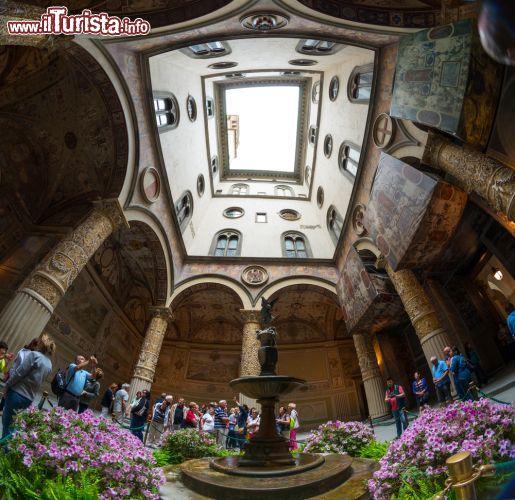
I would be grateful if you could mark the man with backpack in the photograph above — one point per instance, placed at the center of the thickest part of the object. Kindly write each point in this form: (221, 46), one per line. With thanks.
(76, 378)
(460, 369)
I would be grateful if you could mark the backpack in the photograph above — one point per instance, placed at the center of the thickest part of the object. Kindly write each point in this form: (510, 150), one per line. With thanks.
(58, 384)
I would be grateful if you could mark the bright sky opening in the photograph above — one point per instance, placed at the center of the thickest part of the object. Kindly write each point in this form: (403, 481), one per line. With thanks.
(268, 127)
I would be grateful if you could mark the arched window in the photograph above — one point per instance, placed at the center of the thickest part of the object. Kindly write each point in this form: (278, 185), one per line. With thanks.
(348, 158)
(295, 245)
(227, 243)
(184, 209)
(334, 223)
(240, 189)
(359, 85)
(283, 191)
(166, 109)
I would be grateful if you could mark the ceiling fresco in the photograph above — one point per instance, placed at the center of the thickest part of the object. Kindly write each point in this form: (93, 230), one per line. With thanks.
(46, 152)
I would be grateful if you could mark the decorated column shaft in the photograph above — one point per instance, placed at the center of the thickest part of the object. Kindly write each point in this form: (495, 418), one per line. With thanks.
(143, 376)
(372, 380)
(433, 337)
(25, 317)
(250, 344)
(474, 173)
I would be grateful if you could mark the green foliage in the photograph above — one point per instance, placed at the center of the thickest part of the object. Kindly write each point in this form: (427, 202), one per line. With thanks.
(416, 485)
(374, 450)
(186, 444)
(15, 483)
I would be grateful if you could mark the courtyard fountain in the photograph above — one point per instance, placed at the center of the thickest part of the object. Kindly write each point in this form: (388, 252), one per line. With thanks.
(267, 469)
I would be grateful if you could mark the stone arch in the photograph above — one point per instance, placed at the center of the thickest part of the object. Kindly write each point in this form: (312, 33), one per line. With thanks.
(278, 285)
(147, 230)
(237, 288)
(367, 244)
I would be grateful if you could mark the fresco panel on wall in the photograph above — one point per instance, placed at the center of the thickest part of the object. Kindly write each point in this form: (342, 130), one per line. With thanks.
(411, 215)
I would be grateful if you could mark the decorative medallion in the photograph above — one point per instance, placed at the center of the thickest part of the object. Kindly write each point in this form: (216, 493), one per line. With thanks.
(70, 140)
(223, 65)
(315, 93)
(201, 185)
(328, 145)
(254, 276)
(383, 130)
(262, 21)
(334, 87)
(289, 214)
(191, 108)
(358, 214)
(320, 196)
(302, 62)
(150, 184)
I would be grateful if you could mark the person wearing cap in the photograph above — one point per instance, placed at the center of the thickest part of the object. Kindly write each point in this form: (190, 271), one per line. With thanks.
(441, 379)
(159, 413)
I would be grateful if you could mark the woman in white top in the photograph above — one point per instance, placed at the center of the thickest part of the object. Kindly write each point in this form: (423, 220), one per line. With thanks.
(253, 423)
(207, 422)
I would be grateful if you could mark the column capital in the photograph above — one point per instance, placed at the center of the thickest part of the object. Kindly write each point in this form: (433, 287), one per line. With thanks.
(113, 210)
(161, 312)
(251, 316)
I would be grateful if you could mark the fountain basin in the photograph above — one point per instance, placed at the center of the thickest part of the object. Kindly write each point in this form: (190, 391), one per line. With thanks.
(266, 386)
(199, 475)
(231, 465)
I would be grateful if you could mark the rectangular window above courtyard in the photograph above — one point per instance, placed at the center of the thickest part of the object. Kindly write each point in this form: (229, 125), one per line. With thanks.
(261, 126)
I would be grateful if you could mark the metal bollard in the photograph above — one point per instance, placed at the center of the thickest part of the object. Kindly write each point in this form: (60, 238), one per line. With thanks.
(474, 390)
(371, 423)
(406, 416)
(42, 400)
(462, 475)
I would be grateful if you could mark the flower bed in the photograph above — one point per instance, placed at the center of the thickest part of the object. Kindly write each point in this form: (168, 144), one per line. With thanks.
(415, 464)
(184, 444)
(339, 437)
(76, 452)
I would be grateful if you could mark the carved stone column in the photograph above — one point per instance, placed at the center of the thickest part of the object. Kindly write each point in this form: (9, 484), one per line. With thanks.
(143, 376)
(28, 312)
(372, 380)
(433, 337)
(15, 11)
(474, 173)
(250, 344)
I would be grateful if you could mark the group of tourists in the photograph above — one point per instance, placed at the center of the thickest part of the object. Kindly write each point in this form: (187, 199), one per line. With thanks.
(454, 364)
(230, 426)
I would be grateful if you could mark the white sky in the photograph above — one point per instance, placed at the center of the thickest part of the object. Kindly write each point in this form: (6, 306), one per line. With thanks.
(268, 127)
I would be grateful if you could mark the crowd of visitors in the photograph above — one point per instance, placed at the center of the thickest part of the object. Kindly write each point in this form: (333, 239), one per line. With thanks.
(454, 364)
(77, 388)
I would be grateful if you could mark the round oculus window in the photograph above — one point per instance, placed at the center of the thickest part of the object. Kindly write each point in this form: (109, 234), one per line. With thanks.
(201, 185)
(320, 196)
(233, 212)
(223, 65)
(191, 108)
(302, 62)
(289, 214)
(328, 145)
(334, 87)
